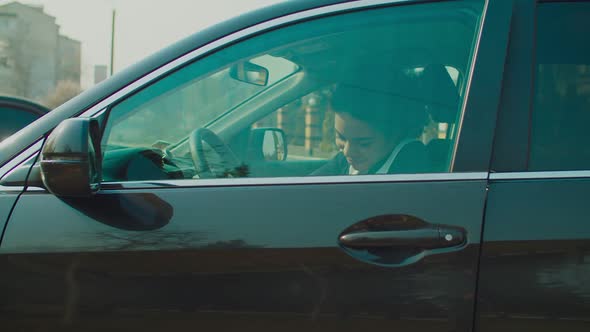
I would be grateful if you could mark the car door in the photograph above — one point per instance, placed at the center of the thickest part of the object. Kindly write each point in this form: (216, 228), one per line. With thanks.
(160, 246)
(536, 249)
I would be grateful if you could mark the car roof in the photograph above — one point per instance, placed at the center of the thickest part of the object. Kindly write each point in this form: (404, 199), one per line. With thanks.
(89, 98)
(22, 103)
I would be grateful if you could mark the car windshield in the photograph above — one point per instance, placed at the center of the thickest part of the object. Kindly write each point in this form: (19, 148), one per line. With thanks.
(197, 101)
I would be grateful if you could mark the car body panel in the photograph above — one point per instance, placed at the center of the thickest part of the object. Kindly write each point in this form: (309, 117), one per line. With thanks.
(215, 255)
(7, 200)
(9, 194)
(535, 263)
(536, 257)
(258, 253)
(481, 105)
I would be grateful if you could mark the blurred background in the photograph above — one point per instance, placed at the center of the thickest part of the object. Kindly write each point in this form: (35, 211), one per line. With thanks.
(51, 50)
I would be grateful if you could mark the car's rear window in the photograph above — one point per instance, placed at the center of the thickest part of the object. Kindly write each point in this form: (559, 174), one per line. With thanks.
(561, 115)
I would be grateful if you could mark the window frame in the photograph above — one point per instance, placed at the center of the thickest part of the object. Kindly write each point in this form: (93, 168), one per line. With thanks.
(513, 139)
(512, 136)
(473, 56)
(470, 143)
(493, 22)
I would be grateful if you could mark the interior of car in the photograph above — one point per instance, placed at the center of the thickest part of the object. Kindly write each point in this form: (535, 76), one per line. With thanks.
(240, 103)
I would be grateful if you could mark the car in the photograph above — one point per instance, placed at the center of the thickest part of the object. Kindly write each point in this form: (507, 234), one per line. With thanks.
(191, 190)
(17, 113)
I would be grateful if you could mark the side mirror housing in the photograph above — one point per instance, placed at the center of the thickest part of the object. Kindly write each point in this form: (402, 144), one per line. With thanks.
(267, 144)
(71, 159)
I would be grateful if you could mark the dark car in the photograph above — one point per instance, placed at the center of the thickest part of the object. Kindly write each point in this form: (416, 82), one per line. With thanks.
(316, 165)
(16, 113)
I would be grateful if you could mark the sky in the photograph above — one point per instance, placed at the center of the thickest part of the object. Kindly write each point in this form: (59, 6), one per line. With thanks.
(142, 26)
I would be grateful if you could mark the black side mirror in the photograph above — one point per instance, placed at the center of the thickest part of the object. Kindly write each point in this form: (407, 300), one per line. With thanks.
(249, 72)
(267, 144)
(71, 158)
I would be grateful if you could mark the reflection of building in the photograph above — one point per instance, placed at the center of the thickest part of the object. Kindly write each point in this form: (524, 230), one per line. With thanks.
(34, 57)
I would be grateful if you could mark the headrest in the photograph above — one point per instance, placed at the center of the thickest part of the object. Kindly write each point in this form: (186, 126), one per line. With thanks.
(439, 93)
(431, 90)
(439, 154)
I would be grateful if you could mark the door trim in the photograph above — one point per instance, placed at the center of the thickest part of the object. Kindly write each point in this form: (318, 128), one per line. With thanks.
(311, 180)
(540, 175)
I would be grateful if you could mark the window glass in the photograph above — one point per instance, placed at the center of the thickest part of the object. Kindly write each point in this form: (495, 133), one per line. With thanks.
(561, 115)
(185, 100)
(13, 120)
(371, 92)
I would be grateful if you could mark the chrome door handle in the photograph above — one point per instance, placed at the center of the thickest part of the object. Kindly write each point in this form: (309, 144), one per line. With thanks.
(425, 238)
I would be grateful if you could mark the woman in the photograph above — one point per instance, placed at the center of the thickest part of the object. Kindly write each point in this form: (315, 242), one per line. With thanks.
(376, 133)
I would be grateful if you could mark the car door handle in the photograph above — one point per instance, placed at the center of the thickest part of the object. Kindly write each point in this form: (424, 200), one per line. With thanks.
(424, 238)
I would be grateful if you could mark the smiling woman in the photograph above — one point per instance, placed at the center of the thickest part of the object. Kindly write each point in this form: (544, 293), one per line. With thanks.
(369, 126)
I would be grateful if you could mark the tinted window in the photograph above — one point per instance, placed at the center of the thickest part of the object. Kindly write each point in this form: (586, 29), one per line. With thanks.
(561, 114)
(13, 120)
(371, 92)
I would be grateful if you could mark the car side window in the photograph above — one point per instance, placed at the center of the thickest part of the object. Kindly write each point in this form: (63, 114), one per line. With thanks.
(377, 91)
(560, 131)
(14, 119)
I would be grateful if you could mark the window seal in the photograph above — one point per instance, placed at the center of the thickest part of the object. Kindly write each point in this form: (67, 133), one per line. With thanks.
(310, 180)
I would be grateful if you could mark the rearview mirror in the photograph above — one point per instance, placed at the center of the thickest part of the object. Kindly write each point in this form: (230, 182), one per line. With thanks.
(268, 144)
(71, 158)
(249, 72)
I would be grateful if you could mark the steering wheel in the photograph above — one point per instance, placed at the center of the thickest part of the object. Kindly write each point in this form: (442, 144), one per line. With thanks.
(228, 164)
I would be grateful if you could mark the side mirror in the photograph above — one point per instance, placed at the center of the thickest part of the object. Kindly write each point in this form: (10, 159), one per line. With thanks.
(267, 144)
(249, 72)
(71, 159)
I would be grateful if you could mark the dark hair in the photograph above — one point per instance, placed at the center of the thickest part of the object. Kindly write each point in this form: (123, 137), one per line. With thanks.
(390, 113)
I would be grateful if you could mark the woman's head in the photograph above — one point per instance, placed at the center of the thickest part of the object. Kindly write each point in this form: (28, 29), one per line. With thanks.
(369, 124)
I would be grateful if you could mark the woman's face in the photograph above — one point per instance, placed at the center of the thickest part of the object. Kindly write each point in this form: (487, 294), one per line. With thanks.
(362, 145)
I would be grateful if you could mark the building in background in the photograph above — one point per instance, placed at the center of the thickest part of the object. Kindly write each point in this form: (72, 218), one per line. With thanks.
(68, 60)
(34, 57)
(100, 73)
